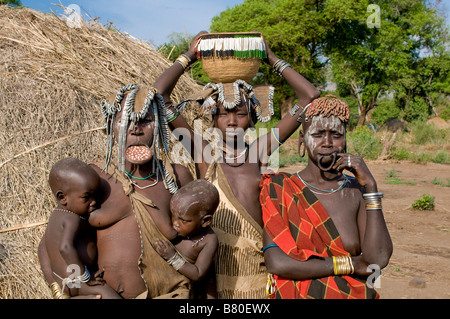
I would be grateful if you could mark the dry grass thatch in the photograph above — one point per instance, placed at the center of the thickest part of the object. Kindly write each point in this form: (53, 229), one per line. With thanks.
(52, 79)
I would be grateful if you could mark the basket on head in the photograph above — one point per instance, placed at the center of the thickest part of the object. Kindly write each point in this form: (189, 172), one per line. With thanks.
(229, 56)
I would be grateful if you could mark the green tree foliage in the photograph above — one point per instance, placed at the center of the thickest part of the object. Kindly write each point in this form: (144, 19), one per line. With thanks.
(179, 43)
(14, 3)
(294, 30)
(407, 55)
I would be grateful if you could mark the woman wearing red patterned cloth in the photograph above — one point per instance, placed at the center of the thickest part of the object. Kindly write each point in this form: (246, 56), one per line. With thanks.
(322, 228)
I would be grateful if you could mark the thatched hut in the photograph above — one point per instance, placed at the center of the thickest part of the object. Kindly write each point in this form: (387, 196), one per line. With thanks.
(52, 79)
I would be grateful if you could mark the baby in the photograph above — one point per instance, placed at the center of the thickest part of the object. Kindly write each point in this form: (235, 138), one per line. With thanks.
(69, 240)
(192, 208)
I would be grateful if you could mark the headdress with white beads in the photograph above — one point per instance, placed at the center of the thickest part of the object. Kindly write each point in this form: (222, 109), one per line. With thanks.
(161, 134)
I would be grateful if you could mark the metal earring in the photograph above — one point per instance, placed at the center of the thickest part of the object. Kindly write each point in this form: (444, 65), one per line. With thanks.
(300, 143)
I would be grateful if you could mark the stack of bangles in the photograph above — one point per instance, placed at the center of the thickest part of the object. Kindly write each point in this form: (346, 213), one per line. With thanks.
(184, 60)
(57, 292)
(343, 265)
(373, 200)
(280, 65)
(176, 261)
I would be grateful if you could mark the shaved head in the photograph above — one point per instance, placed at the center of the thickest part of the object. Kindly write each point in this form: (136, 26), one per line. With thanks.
(69, 170)
(200, 193)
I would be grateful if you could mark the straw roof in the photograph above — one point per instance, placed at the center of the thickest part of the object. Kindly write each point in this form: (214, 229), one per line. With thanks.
(52, 79)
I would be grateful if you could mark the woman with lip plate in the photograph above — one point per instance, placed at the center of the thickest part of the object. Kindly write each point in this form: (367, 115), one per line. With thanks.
(322, 228)
(137, 189)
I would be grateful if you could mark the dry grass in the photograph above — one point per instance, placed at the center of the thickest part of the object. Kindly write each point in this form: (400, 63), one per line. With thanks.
(52, 79)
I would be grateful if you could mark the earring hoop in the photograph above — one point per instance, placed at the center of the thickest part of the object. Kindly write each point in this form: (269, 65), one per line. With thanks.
(300, 143)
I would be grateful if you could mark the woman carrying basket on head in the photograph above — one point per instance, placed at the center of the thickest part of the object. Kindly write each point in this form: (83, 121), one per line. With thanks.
(235, 169)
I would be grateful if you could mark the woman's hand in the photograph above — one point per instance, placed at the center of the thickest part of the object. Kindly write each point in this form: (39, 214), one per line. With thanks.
(271, 57)
(358, 167)
(192, 52)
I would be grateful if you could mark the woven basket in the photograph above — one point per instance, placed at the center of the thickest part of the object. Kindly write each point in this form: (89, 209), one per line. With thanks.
(230, 69)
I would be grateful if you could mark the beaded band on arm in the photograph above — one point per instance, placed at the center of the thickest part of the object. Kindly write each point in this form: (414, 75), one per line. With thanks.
(171, 115)
(268, 246)
(294, 110)
(276, 136)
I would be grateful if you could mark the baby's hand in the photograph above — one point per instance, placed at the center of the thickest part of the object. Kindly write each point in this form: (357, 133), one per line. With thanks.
(97, 279)
(164, 249)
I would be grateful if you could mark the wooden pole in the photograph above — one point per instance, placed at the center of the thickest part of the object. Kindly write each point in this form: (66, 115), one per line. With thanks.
(22, 226)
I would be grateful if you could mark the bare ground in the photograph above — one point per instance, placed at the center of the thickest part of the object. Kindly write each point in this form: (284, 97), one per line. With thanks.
(419, 266)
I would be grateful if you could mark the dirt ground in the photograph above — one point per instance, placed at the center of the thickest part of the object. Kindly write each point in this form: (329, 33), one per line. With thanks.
(419, 266)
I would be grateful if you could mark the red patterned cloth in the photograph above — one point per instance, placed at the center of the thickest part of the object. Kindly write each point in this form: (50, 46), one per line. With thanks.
(299, 224)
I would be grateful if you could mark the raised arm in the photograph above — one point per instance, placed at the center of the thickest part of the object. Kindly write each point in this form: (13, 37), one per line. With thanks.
(169, 78)
(165, 85)
(305, 92)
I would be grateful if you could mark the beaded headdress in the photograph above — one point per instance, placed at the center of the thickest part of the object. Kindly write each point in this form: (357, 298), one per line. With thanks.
(134, 111)
(231, 95)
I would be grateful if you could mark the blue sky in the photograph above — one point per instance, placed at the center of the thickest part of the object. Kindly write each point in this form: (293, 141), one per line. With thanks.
(151, 20)
(155, 20)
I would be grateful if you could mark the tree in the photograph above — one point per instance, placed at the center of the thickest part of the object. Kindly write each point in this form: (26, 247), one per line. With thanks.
(372, 61)
(295, 31)
(367, 59)
(179, 43)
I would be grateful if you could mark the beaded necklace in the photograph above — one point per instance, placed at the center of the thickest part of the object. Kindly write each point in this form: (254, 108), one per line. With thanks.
(139, 178)
(69, 211)
(238, 164)
(143, 187)
(195, 243)
(327, 192)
